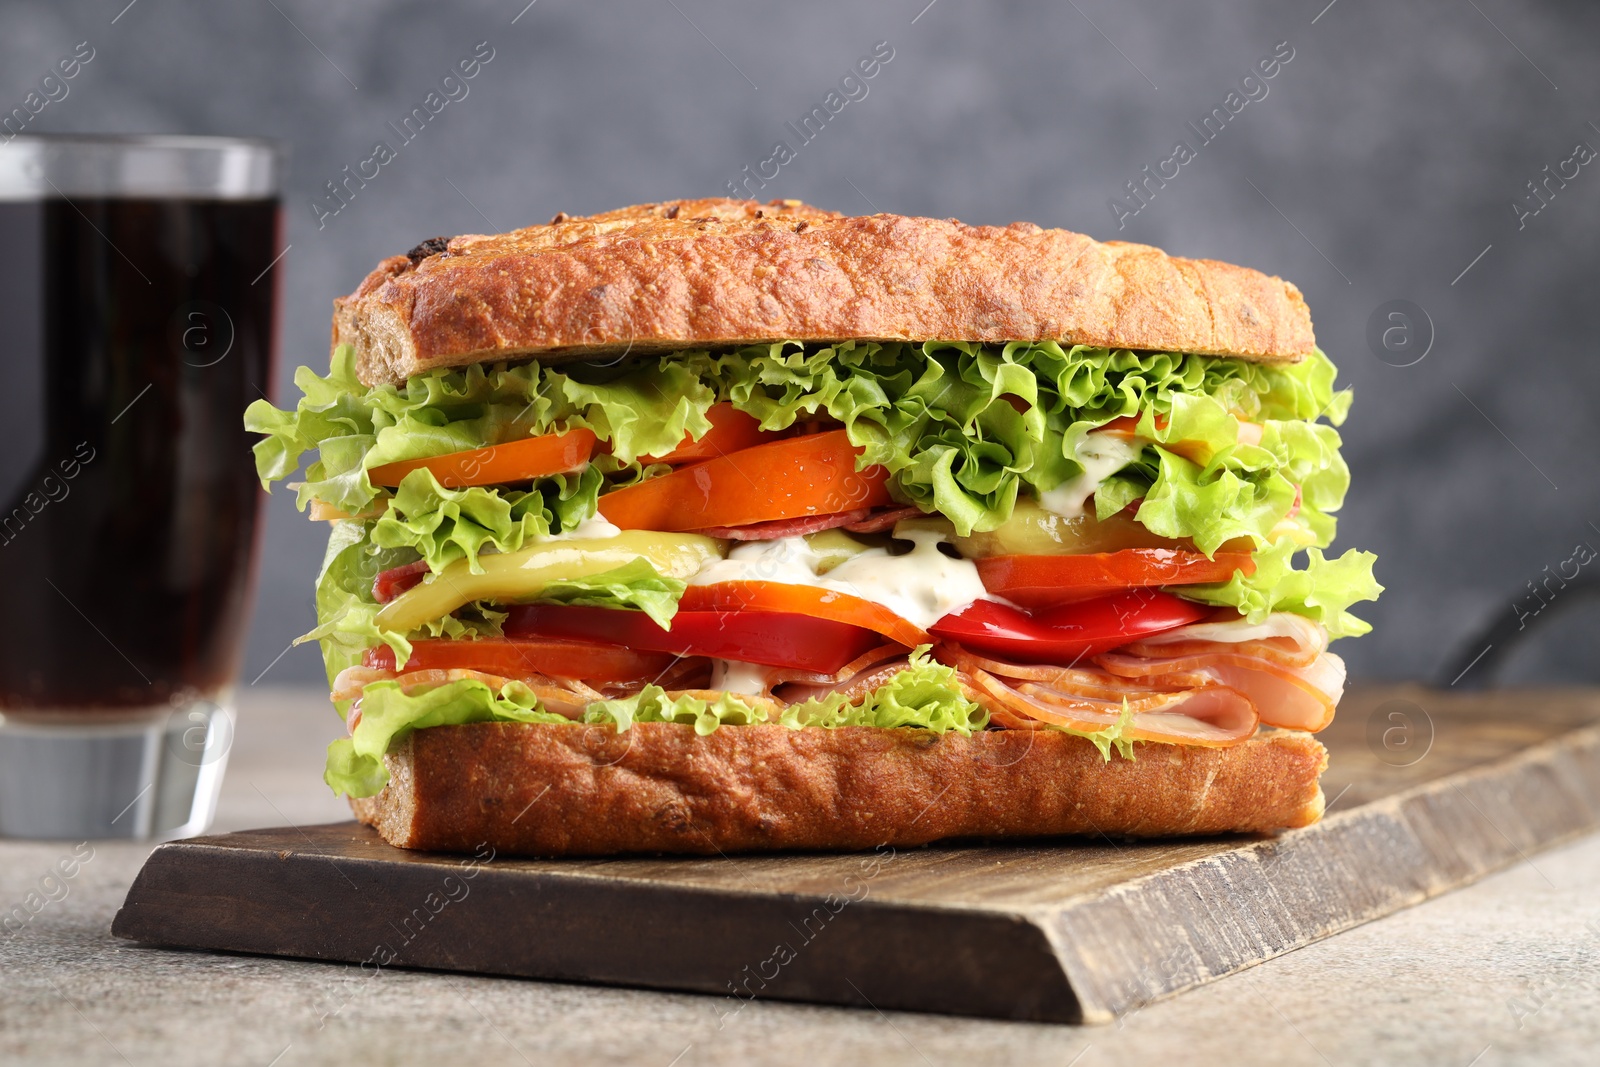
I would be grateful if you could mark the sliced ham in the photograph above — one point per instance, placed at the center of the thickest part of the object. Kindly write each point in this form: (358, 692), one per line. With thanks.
(855, 679)
(1282, 665)
(1027, 696)
(1303, 699)
(1131, 661)
(352, 680)
(563, 696)
(1210, 716)
(852, 688)
(884, 652)
(1207, 684)
(1094, 684)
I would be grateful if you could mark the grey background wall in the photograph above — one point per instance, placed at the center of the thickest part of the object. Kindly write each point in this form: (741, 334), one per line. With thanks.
(1382, 163)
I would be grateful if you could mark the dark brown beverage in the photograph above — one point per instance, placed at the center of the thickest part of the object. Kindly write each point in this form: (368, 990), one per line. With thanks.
(137, 331)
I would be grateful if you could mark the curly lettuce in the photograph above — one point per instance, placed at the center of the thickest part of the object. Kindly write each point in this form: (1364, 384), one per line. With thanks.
(654, 704)
(1323, 591)
(963, 428)
(1110, 737)
(1241, 489)
(446, 525)
(346, 609)
(922, 695)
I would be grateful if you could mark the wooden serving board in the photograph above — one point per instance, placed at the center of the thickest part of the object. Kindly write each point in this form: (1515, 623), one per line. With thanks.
(1427, 791)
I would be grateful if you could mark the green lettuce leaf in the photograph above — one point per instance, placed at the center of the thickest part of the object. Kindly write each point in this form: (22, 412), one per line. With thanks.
(654, 704)
(1322, 591)
(1243, 490)
(643, 409)
(329, 408)
(923, 695)
(1109, 737)
(963, 428)
(943, 416)
(346, 609)
(632, 585)
(445, 525)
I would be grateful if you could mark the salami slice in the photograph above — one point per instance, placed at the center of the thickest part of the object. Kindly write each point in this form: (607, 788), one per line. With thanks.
(777, 528)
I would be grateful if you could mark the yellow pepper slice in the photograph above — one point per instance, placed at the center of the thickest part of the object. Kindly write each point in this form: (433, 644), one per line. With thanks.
(522, 575)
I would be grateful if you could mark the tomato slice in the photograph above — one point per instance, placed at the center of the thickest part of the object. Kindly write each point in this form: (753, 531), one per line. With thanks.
(396, 580)
(783, 598)
(1065, 635)
(1042, 581)
(589, 661)
(769, 638)
(787, 479)
(514, 461)
(731, 430)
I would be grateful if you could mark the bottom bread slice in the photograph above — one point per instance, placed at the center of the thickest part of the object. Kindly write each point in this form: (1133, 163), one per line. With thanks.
(558, 790)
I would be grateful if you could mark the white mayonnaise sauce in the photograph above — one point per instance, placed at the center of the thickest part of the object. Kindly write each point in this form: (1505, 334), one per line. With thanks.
(595, 526)
(1101, 455)
(921, 586)
(733, 676)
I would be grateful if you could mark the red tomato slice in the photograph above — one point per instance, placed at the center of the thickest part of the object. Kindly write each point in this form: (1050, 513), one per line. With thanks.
(769, 638)
(782, 598)
(1065, 635)
(588, 661)
(396, 580)
(514, 461)
(812, 475)
(731, 430)
(1041, 581)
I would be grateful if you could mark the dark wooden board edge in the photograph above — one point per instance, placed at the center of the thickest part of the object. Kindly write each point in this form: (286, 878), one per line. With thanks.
(834, 950)
(1089, 959)
(1172, 930)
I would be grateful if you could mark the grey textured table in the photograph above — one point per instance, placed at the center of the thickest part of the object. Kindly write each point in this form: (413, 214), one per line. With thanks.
(1507, 971)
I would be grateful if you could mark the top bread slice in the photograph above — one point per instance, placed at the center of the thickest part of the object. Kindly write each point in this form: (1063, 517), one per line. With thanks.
(718, 273)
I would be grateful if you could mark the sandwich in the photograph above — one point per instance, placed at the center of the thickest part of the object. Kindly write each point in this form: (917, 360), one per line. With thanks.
(711, 526)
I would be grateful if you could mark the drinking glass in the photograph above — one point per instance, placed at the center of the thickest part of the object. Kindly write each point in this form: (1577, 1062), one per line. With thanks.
(138, 289)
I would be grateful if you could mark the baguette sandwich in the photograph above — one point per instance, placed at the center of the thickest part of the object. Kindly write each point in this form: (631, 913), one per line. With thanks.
(711, 526)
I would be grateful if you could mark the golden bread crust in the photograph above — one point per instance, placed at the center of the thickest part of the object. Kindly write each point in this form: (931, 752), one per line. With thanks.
(559, 790)
(715, 273)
